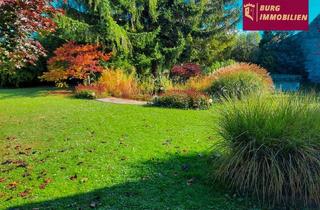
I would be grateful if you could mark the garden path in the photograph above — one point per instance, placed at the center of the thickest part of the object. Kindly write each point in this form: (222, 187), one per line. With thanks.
(122, 101)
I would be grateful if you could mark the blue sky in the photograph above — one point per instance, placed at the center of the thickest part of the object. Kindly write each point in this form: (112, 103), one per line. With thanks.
(314, 10)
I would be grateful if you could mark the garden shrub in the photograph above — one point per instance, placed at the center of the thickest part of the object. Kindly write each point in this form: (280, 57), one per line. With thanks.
(183, 72)
(85, 94)
(90, 91)
(271, 149)
(75, 62)
(239, 80)
(150, 85)
(119, 84)
(162, 84)
(183, 99)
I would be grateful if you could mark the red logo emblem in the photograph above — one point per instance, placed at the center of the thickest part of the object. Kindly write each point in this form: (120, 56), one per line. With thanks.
(275, 15)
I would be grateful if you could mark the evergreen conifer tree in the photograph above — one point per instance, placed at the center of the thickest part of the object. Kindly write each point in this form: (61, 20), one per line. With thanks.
(153, 34)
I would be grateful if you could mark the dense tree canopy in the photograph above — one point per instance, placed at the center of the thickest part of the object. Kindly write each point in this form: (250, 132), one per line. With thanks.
(21, 21)
(153, 33)
(280, 52)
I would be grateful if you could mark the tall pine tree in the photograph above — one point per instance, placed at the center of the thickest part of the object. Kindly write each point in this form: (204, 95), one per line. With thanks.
(153, 34)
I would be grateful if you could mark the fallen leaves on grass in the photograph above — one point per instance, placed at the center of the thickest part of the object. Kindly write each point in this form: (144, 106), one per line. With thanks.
(6, 162)
(11, 138)
(17, 147)
(74, 177)
(42, 174)
(17, 163)
(22, 153)
(45, 183)
(2, 180)
(43, 160)
(25, 193)
(12, 185)
(21, 163)
(167, 142)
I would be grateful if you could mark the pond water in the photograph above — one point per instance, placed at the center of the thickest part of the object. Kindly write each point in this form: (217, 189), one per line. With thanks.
(286, 82)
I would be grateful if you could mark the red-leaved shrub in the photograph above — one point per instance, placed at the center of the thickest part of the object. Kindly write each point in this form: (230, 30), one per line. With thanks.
(184, 71)
(74, 61)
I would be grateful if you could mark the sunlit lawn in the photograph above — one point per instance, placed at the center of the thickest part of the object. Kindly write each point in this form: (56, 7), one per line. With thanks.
(62, 153)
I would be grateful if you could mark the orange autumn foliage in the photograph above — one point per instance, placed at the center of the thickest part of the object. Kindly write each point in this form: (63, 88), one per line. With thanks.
(75, 61)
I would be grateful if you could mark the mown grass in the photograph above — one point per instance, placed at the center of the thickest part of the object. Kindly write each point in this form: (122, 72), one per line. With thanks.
(57, 152)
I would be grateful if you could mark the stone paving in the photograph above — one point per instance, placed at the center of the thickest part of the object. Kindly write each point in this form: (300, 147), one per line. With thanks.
(122, 101)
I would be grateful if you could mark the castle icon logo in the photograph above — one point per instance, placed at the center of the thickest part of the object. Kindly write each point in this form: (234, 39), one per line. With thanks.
(250, 11)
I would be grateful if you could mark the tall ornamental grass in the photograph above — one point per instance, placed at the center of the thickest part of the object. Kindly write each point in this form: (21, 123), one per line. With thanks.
(239, 80)
(271, 149)
(117, 83)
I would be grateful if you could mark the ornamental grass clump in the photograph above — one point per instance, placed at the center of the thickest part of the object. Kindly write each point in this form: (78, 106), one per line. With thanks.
(238, 81)
(118, 83)
(271, 149)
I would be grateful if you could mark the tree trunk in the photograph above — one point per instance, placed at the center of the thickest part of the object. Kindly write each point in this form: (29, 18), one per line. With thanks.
(154, 69)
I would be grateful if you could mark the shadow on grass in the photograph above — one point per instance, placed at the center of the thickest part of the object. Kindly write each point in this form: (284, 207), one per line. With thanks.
(30, 92)
(180, 182)
(23, 92)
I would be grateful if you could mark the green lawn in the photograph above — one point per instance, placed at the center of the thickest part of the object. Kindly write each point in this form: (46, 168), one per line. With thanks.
(63, 153)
